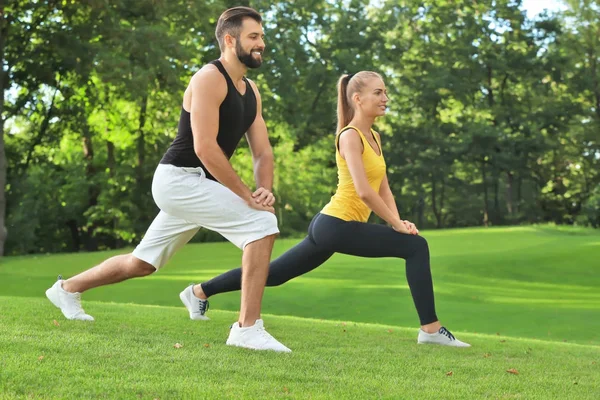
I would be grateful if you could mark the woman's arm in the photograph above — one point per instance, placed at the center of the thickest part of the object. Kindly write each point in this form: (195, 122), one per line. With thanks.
(351, 148)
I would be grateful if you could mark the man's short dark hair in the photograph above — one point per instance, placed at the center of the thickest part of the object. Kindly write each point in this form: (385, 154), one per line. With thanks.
(230, 22)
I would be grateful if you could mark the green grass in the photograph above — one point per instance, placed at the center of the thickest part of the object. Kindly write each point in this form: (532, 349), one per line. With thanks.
(527, 298)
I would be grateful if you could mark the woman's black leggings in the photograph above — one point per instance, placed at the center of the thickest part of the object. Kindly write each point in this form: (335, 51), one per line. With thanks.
(328, 235)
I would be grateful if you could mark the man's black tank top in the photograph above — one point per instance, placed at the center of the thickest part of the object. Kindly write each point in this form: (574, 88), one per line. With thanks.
(236, 114)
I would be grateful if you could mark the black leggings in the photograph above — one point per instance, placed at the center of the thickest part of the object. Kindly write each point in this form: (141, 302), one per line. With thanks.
(328, 235)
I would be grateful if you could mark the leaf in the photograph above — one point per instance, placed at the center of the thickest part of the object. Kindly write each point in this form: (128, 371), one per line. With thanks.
(40, 358)
(502, 341)
(390, 331)
(487, 355)
(285, 389)
(55, 322)
(512, 371)
(206, 345)
(178, 345)
(449, 373)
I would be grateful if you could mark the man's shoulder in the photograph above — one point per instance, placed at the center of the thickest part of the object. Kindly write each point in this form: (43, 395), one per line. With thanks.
(209, 80)
(208, 73)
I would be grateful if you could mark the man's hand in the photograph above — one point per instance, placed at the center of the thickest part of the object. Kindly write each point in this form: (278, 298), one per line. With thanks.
(252, 204)
(264, 197)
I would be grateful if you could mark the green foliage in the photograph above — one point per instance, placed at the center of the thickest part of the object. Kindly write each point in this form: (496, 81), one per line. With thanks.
(591, 209)
(493, 118)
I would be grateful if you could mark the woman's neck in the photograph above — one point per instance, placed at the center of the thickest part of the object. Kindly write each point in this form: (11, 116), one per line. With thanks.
(364, 124)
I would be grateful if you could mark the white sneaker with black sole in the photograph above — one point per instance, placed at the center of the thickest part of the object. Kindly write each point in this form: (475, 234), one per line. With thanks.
(254, 337)
(69, 303)
(442, 337)
(196, 306)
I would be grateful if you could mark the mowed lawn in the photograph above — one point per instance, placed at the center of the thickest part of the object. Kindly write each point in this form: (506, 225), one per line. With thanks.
(527, 298)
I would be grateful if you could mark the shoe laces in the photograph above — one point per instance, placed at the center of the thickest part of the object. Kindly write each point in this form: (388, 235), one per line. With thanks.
(446, 332)
(263, 332)
(202, 306)
(76, 303)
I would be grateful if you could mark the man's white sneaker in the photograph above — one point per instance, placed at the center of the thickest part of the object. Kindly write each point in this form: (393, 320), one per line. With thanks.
(69, 303)
(254, 337)
(197, 307)
(442, 337)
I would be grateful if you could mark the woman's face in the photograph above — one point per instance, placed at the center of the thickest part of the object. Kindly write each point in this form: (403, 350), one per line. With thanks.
(372, 99)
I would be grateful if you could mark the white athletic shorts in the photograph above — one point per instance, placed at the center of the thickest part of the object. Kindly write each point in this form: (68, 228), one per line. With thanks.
(189, 201)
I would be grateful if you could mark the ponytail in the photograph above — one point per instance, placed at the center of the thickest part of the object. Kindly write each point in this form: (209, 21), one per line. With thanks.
(345, 112)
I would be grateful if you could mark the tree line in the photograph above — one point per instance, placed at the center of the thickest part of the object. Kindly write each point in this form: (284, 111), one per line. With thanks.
(494, 118)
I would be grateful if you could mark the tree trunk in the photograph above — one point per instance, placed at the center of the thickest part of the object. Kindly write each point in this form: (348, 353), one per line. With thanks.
(442, 199)
(437, 212)
(112, 163)
(91, 243)
(75, 237)
(3, 84)
(496, 219)
(485, 194)
(595, 83)
(143, 187)
(421, 209)
(141, 141)
(519, 193)
(509, 193)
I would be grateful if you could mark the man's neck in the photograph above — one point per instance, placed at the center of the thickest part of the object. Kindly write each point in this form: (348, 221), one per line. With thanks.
(233, 66)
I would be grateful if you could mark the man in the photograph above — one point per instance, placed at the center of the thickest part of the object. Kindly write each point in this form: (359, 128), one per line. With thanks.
(195, 185)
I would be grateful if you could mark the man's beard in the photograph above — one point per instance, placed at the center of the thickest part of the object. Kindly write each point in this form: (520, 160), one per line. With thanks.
(246, 58)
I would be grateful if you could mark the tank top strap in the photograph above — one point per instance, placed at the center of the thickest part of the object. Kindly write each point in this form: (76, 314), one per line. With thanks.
(377, 140)
(222, 70)
(230, 83)
(344, 129)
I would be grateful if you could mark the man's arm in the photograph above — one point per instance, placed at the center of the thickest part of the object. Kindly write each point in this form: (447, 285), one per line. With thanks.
(209, 89)
(262, 153)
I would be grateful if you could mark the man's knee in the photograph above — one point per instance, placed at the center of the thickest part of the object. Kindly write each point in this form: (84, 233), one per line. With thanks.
(268, 225)
(269, 221)
(139, 267)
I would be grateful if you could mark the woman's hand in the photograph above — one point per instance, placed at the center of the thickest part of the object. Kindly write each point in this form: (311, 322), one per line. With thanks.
(401, 228)
(412, 229)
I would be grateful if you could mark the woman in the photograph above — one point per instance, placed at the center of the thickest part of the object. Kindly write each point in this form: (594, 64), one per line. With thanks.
(341, 227)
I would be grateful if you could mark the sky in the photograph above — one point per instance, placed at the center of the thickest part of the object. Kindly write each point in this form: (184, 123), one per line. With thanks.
(534, 7)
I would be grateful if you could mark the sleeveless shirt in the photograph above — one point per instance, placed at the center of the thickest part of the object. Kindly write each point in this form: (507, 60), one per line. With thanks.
(237, 112)
(345, 203)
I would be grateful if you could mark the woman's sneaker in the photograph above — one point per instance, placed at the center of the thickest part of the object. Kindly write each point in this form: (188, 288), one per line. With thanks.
(197, 307)
(254, 337)
(442, 337)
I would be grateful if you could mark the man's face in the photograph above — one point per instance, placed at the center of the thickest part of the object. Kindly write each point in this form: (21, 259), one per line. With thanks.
(249, 46)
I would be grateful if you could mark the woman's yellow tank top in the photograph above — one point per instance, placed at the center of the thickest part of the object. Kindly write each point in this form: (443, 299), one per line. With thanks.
(345, 203)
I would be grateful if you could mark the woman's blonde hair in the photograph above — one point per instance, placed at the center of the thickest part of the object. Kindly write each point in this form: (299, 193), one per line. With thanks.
(348, 84)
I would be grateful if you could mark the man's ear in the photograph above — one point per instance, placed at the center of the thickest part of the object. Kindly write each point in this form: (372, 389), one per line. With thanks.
(229, 40)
